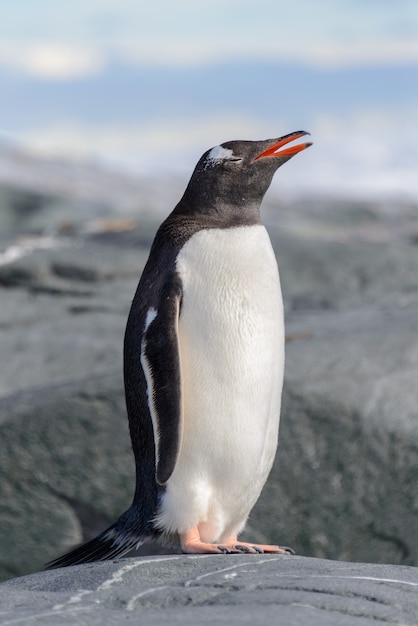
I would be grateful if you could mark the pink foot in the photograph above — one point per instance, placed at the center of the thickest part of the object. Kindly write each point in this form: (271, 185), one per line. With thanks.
(191, 543)
(241, 546)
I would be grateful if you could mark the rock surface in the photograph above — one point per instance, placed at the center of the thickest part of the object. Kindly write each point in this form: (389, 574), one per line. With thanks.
(224, 589)
(345, 481)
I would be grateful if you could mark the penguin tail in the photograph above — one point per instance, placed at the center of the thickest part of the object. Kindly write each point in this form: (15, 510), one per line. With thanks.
(116, 541)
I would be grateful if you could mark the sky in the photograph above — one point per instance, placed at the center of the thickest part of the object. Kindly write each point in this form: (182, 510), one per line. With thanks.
(149, 86)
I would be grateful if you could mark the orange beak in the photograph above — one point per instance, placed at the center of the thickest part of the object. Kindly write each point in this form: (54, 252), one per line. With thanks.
(274, 150)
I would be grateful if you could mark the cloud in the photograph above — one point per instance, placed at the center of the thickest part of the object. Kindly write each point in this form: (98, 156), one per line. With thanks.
(58, 62)
(323, 55)
(384, 53)
(52, 61)
(81, 37)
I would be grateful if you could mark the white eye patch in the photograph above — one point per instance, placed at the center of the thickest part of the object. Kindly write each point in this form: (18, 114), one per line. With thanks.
(218, 154)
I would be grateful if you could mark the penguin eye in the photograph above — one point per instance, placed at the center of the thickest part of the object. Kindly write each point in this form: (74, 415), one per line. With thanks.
(232, 161)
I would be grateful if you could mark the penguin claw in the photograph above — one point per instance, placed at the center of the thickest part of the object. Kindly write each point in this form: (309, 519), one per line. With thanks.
(223, 550)
(238, 549)
(243, 549)
(248, 549)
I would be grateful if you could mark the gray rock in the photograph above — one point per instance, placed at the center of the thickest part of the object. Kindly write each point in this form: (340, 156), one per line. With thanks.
(355, 374)
(339, 488)
(62, 407)
(56, 326)
(223, 589)
(76, 430)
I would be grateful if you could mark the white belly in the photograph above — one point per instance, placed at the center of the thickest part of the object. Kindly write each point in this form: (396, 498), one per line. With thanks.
(232, 357)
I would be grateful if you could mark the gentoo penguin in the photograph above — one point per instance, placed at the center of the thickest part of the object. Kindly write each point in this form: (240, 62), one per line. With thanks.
(203, 362)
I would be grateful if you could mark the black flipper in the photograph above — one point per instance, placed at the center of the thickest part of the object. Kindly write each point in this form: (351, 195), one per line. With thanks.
(161, 364)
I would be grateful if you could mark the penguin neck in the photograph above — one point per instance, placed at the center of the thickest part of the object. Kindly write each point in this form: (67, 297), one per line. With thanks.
(218, 213)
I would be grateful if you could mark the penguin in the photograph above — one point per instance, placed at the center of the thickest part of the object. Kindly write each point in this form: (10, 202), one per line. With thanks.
(203, 363)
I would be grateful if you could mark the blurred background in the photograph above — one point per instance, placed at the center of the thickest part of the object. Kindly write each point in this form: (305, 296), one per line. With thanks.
(150, 86)
(105, 107)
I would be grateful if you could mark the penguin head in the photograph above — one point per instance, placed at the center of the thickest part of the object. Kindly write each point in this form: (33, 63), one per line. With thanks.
(232, 178)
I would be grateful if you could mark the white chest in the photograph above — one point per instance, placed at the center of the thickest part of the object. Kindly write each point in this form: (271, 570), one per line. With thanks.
(231, 341)
(232, 305)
